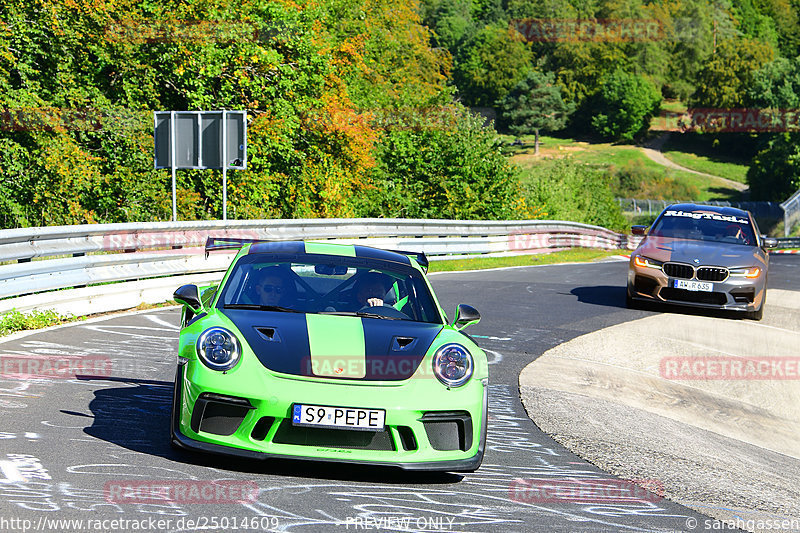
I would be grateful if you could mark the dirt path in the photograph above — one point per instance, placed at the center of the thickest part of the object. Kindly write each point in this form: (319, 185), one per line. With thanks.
(653, 150)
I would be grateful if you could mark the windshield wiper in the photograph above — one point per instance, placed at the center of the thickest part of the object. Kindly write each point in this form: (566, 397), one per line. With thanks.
(363, 314)
(259, 307)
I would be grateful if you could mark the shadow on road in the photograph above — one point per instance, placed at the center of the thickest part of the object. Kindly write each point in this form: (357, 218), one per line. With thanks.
(610, 296)
(137, 416)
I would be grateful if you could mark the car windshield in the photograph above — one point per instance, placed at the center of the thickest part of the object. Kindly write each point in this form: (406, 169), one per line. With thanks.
(704, 226)
(352, 286)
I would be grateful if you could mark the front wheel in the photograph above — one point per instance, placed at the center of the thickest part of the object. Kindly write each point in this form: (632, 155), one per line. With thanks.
(758, 314)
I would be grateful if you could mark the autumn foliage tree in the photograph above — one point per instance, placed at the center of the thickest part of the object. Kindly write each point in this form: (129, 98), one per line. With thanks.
(79, 80)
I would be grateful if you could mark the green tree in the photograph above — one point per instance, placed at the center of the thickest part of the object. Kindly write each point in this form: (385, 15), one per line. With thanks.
(623, 106)
(444, 164)
(535, 104)
(776, 85)
(774, 173)
(723, 81)
(489, 65)
(450, 21)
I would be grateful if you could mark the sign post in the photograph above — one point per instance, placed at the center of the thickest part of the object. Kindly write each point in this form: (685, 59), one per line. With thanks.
(200, 140)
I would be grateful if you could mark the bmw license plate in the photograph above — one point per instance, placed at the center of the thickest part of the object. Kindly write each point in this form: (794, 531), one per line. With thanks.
(691, 285)
(338, 417)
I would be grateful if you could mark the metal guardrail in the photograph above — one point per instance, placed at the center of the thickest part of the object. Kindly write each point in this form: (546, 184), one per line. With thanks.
(769, 211)
(116, 266)
(791, 213)
(790, 242)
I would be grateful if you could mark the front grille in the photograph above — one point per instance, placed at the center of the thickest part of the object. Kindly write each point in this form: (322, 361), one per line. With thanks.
(678, 270)
(682, 295)
(332, 438)
(712, 274)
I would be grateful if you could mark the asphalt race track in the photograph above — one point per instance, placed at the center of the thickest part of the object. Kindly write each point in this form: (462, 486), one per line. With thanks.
(66, 443)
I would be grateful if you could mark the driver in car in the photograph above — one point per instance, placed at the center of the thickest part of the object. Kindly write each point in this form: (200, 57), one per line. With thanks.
(274, 287)
(371, 289)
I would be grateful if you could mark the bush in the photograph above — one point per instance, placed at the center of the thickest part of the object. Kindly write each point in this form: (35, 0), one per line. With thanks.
(571, 191)
(443, 164)
(16, 321)
(624, 105)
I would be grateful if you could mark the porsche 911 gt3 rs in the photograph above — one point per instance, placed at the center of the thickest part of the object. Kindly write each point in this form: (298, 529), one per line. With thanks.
(329, 352)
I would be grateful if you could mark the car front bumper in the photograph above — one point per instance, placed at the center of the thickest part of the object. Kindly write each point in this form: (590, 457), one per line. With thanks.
(735, 293)
(427, 427)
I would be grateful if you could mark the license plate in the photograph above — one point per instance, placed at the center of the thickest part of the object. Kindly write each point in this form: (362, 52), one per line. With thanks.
(693, 285)
(338, 417)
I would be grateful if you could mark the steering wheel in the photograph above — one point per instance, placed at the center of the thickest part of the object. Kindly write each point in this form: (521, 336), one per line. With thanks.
(384, 310)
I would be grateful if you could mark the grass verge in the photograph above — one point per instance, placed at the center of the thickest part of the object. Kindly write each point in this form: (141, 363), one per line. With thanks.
(573, 255)
(609, 158)
(702, 158)
(14, 321)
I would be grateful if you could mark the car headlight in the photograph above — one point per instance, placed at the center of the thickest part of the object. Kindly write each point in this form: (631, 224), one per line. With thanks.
(746, 272)
(218, 349)
(642, 261)
(452, 365)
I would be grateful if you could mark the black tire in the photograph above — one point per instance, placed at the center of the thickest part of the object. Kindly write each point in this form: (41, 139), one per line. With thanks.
(630, 303)
(173, 416)
(758, 314)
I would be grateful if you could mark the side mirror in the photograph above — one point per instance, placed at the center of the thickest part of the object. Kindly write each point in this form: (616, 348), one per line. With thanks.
(768, 242)
(639, 230)
(189, 296)
(466, 315)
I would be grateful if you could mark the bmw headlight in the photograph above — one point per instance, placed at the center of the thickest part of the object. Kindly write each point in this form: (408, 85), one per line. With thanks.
(218, 349)
(642, 261)
(452, 365)
(749, 272)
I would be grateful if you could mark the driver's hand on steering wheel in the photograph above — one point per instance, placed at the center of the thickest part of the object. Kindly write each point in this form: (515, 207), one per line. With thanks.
(374, 302)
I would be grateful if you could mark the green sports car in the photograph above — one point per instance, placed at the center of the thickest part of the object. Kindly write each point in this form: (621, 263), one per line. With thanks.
(328, 352)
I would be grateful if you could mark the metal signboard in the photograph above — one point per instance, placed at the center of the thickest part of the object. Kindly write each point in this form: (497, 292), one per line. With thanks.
(200, 140)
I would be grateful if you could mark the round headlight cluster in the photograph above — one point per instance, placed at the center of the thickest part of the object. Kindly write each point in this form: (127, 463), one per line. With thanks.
(452, 365)
(218, 349)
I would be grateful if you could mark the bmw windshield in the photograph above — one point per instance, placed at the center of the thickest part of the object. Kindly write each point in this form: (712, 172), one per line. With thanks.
(704, 226)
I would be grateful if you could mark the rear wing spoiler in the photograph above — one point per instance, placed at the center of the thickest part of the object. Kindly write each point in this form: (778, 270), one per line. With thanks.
(228, 243)
(420, 257)
(234, 243)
